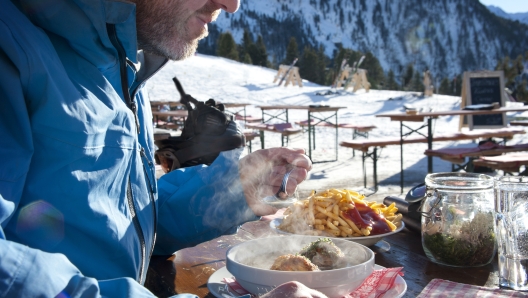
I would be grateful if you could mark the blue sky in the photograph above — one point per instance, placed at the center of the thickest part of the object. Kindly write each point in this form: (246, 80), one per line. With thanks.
(510, 6)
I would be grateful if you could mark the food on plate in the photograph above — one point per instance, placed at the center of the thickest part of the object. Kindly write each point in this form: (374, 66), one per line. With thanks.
(323, 253)
(292, 262)
(340, 213)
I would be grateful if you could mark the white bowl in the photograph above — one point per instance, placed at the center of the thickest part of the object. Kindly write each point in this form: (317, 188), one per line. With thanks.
(249, 262)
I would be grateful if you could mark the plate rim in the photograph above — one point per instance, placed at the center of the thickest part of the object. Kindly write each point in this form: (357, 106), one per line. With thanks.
(273, 225)
(223, 272)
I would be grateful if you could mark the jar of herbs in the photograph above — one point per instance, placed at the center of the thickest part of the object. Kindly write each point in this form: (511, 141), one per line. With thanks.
(458, 219)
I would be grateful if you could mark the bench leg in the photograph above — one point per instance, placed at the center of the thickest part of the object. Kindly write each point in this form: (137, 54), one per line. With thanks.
(374, 156)
(375, 161)
(249, 146)
(262, 139)
(355, 135)
(364, 170)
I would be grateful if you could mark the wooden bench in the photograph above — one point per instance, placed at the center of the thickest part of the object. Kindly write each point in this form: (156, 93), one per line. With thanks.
(250, 136)
(509, 163)
(366, 145)
(285, 129)
(463, 158)
(357, 129)
(248, 119)
(519, 123)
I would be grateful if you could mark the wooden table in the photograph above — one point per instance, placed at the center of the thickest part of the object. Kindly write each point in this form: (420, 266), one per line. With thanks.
(421, 116)
(176, 113)
(236, 108)
(313, 112)
(188, 270)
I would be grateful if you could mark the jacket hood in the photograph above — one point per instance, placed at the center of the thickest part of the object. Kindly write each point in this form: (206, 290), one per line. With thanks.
(83, 24)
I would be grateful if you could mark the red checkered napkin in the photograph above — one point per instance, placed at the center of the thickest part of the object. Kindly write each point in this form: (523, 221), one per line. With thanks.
(439, 288)
(375, 286)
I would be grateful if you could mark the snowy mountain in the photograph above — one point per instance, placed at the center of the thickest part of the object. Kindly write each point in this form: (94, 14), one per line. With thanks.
(520, 16)
(445, 36)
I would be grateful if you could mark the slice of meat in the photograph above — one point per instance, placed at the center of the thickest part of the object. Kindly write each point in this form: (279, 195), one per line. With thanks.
(293, 263)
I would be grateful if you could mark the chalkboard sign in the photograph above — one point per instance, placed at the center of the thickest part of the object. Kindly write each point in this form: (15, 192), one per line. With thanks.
(484, 88)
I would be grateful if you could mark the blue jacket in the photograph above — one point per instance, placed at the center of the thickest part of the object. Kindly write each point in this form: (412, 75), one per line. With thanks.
(79, 204)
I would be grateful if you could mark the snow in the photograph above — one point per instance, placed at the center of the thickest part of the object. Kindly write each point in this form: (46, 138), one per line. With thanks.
(228, 81)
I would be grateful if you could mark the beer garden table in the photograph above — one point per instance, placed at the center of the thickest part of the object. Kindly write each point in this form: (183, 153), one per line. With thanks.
(429, 116)
(314, 112)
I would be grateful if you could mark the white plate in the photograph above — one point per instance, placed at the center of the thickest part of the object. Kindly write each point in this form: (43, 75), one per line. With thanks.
(219, 289)
(365, 240)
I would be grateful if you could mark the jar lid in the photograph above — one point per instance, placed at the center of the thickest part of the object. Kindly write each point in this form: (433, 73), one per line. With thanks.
(459, 180)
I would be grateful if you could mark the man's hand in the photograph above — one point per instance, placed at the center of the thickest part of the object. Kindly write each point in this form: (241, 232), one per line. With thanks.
(293, 289)
(261, 174)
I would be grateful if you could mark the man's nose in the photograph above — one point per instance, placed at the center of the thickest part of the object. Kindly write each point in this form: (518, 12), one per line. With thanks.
(228, 5)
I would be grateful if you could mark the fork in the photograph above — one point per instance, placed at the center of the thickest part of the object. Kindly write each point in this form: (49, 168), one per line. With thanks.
(282, 193)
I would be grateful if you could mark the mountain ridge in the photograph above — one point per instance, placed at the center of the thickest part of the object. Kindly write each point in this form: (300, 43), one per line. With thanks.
(447, 37)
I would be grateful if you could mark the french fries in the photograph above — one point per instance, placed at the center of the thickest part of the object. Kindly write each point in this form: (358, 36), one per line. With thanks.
(325, 214)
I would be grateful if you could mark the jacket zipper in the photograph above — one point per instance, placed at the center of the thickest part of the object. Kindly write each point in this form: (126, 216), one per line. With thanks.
(137, 226)
(154, 213)
(112, 34)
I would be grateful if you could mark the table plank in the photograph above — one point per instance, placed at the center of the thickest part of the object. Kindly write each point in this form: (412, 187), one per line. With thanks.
(435, 114)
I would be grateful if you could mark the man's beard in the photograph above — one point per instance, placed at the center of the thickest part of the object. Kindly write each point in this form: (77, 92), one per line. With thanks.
(162, 28)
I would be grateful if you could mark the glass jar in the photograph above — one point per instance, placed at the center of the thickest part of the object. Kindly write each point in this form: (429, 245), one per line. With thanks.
(458, 219)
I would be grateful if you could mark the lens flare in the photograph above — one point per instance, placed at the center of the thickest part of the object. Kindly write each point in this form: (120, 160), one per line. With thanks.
(41, 224)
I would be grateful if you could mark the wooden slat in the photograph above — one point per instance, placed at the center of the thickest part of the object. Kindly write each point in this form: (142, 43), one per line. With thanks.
(365, 144)
(507, 162)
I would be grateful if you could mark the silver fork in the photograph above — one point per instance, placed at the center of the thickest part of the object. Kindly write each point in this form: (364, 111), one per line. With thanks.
(282, 193)
(280, 199)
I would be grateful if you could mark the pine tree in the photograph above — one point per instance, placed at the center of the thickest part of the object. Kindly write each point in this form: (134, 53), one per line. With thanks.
(308, 65)
(391, 81)
(292, 51)
(244, 48)
(246, 59)
(408, 76)
(444, 87)
(376, 76)
(322, 61)
(522, 92)
(261, 54)
(456, 86)
(417, 82)
(515, 78)
(227, 47)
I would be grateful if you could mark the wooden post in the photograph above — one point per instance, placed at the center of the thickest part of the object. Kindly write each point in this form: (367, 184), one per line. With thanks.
(344, 76)
(429, 88)
(463, 119)
(294, 78)
(359, 81)
(280, 73)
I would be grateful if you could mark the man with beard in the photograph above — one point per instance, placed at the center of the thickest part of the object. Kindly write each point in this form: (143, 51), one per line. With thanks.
(80, 207)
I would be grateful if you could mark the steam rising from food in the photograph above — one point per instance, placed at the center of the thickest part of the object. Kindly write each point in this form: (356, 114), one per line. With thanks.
(322, 254)
(340, 213)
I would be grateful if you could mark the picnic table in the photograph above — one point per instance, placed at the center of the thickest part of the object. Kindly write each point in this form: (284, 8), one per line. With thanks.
(188, 270)
(316, 114)
(429, 116)
(179, 114)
